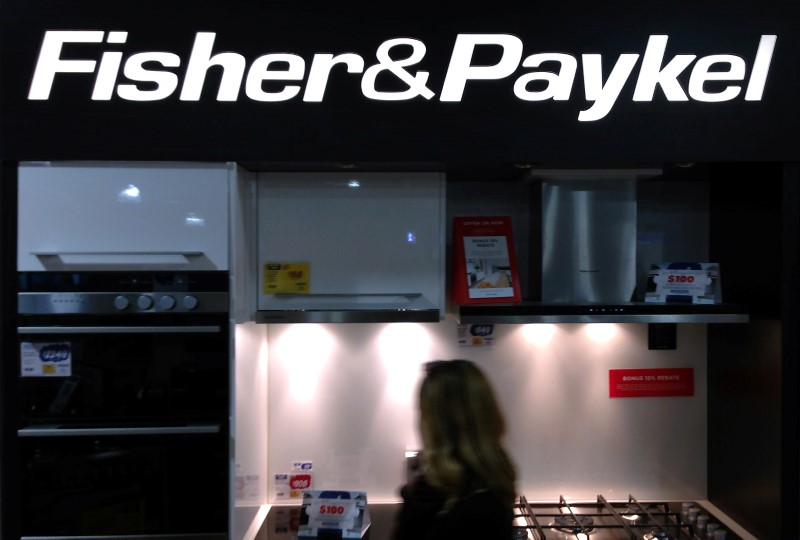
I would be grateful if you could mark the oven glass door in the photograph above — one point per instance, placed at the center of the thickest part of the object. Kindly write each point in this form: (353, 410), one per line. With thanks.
(106, 483)
(116, 371)
(123, 397)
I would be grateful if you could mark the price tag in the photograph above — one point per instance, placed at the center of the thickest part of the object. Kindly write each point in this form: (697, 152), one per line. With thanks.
(286, 278)
(45, 359)
(298, 483)
(344, 514)
(475, 335)
(332, 514)
(682, 282)
(696, 283)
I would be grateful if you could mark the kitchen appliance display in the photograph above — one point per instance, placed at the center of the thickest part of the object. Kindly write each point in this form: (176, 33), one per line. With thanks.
(559, 519)
(603, 519)
(124, 404)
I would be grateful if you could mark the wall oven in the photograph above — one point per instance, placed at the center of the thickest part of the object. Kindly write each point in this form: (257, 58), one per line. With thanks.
(123, 389)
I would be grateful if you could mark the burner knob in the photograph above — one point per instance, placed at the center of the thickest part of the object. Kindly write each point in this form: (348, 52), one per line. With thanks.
(190, 302)
(166, 302)
(121, 302)
(144, 302)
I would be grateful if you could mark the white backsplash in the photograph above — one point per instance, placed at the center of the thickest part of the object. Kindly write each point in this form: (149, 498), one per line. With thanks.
(343, 396)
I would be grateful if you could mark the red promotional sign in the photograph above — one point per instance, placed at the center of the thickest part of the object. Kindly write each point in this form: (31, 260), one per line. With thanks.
(300, 481)
(484, 261)
(650, 382)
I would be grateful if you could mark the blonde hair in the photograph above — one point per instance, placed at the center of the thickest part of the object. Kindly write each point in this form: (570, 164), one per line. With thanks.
(462, 429)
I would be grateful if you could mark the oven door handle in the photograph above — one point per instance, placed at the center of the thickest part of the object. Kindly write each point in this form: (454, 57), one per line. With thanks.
(66, 431)
(211, 329)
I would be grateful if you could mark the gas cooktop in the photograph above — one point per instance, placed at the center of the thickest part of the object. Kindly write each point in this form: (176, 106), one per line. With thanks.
(603, 519)
(593, 520)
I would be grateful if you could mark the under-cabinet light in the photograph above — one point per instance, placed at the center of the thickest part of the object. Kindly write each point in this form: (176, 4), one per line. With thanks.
(538, 334)
(601, 332)
(404, 348)
(304, 349)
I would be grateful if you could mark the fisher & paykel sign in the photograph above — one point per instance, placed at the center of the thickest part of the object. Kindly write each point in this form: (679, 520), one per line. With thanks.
(112, 72)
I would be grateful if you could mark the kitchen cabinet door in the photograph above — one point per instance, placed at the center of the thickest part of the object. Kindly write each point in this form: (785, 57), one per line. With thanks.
(351, 242)
(114, 215)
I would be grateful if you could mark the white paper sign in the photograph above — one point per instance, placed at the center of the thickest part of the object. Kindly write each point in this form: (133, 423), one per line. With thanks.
(488, 266)
(45, 359)
(475, 335)
(280, 485)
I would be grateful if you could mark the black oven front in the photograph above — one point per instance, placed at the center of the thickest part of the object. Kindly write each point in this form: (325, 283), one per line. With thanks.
(124, 403)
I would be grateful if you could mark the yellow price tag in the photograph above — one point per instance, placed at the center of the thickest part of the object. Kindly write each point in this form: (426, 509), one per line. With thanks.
(286, 278)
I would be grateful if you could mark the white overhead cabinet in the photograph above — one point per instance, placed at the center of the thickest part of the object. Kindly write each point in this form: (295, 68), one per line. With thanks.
(114, 215)
(351, 247)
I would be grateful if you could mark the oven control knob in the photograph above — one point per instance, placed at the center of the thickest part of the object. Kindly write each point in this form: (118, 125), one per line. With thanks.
(166, 302)
(190, 302)
(121, 302)
(144, 302)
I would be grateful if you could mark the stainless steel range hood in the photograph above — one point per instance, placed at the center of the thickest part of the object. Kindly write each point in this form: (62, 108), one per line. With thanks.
(588, 240)
(592, 222)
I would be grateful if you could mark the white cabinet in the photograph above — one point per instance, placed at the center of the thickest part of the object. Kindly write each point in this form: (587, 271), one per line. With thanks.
(115, 215)
(356, 244)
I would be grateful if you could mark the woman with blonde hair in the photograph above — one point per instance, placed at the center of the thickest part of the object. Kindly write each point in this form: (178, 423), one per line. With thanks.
(465, 487)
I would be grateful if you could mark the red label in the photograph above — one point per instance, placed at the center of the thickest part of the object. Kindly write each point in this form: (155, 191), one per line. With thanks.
(299, 481)
(651, 382)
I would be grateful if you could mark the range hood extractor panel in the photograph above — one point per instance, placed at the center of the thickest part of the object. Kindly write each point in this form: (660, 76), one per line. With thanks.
(588, 241)
(592, 224)
(350, 308)
(633, 312)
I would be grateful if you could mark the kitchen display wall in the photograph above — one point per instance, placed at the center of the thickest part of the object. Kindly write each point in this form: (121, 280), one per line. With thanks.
(343, 396)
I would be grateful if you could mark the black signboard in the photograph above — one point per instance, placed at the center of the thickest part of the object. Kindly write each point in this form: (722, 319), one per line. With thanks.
(243, 80)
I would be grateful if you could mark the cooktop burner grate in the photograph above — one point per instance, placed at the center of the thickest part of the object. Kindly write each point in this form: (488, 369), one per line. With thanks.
(574, 524)
(601, 519)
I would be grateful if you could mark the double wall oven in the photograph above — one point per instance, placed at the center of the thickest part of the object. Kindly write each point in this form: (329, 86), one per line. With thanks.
(124, 385)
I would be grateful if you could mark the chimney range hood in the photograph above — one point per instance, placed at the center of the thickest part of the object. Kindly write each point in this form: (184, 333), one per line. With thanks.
(600, 231)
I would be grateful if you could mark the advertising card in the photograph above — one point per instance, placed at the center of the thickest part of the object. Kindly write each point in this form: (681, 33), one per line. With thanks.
(484, 261)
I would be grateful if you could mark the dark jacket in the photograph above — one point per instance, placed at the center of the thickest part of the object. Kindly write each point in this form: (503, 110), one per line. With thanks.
(479, 514)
